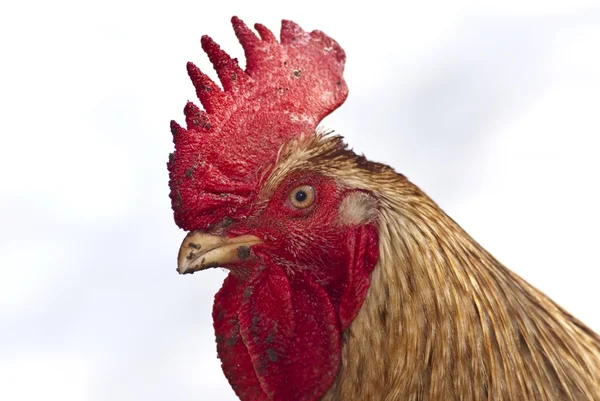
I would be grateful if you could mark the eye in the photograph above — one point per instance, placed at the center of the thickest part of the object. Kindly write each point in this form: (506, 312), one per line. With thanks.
(302, 197)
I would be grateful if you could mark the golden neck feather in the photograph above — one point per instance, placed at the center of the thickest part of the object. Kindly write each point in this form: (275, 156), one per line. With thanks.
(444, 320)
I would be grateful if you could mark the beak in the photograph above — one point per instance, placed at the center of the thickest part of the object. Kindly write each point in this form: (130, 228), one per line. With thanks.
(201, 251)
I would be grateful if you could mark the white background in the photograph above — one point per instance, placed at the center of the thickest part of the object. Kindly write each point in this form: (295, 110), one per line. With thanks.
(492, 109)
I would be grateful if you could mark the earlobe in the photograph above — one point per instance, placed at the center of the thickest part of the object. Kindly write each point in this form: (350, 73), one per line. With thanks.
(357, 208)
(363, 253)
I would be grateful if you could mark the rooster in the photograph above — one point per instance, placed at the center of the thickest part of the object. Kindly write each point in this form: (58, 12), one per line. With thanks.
(346, 281)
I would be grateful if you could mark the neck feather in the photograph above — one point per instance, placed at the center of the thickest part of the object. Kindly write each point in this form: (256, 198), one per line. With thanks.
(444, 320)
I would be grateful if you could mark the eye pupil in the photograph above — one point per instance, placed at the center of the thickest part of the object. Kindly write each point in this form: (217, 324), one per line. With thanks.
(301, 196)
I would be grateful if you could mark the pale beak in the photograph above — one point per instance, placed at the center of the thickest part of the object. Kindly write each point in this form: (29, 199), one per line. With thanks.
(201, 251)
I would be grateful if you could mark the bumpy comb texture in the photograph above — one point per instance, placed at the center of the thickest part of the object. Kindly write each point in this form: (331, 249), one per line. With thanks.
(287, 89)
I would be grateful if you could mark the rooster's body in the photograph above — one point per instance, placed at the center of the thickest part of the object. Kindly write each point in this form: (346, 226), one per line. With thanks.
(346, 281)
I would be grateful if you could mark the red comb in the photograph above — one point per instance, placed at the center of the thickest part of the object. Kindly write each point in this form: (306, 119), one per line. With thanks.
(286, 90)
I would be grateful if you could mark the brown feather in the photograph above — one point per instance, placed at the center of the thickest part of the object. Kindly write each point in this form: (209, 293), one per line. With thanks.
(443, 319)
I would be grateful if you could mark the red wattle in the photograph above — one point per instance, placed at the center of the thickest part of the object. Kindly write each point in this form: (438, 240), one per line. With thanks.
(290, 333)
(279, 333)
(235, 360)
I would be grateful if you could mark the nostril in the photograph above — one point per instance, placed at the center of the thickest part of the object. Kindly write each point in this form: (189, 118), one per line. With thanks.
(243, 252)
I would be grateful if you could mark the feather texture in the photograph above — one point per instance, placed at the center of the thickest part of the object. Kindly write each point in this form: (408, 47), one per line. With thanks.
(443, 319)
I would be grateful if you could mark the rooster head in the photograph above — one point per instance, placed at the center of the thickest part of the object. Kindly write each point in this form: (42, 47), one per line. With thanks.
(253, 182)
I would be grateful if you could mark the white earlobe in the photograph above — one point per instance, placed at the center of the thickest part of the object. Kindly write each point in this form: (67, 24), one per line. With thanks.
(357, 208)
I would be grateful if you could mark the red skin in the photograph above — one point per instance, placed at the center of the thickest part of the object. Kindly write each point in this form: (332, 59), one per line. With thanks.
(279, 324)
(279, 316)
